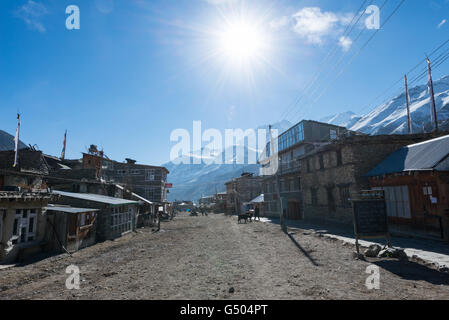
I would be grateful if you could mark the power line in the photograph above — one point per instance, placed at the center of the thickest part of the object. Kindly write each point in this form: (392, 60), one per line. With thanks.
(324, 63)
(408, 73)
(358, 52)
(434, 67)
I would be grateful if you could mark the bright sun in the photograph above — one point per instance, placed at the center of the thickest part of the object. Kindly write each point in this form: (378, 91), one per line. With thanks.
(241, 41)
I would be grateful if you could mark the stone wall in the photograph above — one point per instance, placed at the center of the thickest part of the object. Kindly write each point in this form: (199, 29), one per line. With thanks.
(332, 174)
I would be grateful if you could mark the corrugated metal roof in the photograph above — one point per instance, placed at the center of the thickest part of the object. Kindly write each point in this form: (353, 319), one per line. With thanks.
(95, 198)
(68, 209)
(134, 194)
(259, 199)
(7, 142)
(422, 156)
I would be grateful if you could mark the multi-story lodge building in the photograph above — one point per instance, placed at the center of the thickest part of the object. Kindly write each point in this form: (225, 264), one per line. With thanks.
(242, 190)
(299, 140)
(147, 181)
(335, 173)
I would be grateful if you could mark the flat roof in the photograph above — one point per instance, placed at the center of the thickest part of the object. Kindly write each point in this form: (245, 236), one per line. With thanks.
(142, 166)
(68, 209)
(96, 198)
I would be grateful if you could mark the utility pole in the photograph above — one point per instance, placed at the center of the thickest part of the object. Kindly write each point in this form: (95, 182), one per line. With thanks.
(407, 98)
(433, 110)
(235, 198)
(281, 205)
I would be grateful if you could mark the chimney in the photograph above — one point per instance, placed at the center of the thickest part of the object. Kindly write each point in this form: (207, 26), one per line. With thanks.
(130, 161)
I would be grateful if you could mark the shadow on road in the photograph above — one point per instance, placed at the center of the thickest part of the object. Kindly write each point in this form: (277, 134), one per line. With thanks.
(302, 250)
(413, 271)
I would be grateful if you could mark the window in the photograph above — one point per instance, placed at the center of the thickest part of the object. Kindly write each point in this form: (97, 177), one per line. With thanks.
(339, 158)
(2, 216)
(25, 225)
(291, 137)
(82, 219)
(330, 199)
(345, 197)
(152, 193)
(150, 174)
(121, 172)
(314, 196)
(298, 184)
(321, 160)
(397, 201)
(333, 134)
(121, 219)
(135, 172)
(427, 191)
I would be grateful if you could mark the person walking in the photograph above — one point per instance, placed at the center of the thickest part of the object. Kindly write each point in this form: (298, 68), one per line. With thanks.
(256, 213)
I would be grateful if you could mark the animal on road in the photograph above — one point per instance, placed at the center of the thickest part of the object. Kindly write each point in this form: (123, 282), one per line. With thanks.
(243, 217)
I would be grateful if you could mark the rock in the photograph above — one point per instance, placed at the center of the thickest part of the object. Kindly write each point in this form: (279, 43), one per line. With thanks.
(443, 269)
(373, 251)
(392, 253)
(231, 290)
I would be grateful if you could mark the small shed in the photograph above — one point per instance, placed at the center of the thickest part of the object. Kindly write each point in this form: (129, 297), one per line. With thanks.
(116, 216)
(70, 229)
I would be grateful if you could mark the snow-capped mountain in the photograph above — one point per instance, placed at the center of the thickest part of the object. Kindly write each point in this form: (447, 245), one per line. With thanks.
(192, 181)
(391, 117)
(345, 119)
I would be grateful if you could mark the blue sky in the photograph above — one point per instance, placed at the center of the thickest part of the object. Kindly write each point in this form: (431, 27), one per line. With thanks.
(137, 69)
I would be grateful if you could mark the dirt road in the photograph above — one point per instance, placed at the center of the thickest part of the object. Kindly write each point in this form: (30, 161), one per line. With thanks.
(203, 257)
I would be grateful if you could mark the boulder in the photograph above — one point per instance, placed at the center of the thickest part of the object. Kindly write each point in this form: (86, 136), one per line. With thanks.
(443, 269)
(373, 251)
(396, 253)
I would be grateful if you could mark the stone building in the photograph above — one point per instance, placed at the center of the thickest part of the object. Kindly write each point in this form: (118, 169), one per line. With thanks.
(291, 145)
(147, 181)
(22, 224)
(333, 174)
(241, 191)
(23, 198)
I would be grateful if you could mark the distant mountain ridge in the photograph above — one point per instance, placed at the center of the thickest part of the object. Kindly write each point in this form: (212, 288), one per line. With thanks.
(345, 119)
(192, 181)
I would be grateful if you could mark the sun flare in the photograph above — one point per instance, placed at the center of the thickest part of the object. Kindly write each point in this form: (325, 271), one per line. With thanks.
(241, 41)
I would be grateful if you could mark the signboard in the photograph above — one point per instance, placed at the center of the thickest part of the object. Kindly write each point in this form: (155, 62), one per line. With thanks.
(169, 185)
(370, 217)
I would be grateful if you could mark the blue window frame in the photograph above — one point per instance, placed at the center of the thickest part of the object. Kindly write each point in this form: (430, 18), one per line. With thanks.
(291, 137)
